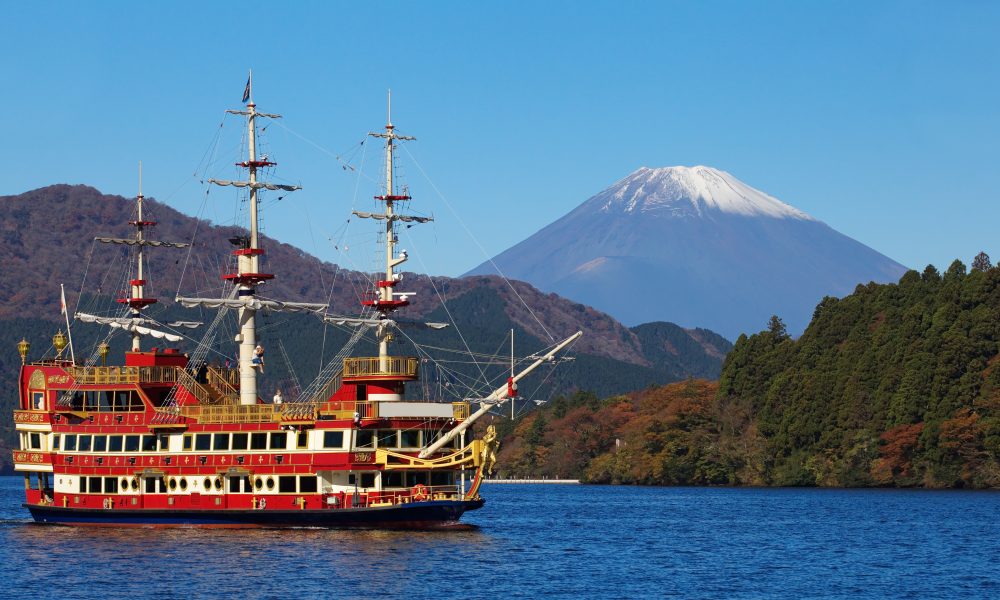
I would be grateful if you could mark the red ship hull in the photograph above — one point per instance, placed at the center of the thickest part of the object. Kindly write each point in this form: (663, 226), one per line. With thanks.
(424, 515)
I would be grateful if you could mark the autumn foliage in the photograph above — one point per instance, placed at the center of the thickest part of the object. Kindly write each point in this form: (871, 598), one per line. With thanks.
(675, 434)
(895, 385)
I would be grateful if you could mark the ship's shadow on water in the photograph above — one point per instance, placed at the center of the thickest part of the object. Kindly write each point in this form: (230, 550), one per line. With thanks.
(364, 541)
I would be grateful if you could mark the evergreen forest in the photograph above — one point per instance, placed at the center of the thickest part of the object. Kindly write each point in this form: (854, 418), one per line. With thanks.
(896, 385)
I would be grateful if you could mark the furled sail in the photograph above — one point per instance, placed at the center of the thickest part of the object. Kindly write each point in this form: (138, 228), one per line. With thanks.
(185, 324)
(394, 217)
(160, 335)
(362, 322)
(89, 318)
(135, 242)
(257, 185)
(128, 324)
(253, 303)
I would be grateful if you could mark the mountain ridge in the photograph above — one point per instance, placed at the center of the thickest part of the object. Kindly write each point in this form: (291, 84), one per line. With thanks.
(37, 262)
(689, 263)
(45, 240)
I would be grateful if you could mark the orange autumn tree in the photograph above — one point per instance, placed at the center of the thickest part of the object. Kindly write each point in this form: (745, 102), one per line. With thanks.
(895, 463)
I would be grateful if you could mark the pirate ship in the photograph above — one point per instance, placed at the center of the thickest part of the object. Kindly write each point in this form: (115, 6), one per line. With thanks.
(167, 439)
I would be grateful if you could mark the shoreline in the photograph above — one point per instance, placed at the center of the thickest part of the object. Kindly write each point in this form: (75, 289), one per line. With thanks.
(553, 481)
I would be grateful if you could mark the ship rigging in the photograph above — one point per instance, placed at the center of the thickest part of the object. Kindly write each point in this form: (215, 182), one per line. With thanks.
(169, 439)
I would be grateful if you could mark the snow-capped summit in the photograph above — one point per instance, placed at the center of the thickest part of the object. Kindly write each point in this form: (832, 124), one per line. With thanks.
(694, 246)
(690, 191)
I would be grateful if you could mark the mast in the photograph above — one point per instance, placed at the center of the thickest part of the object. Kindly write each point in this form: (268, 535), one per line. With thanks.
(138, 284)
(247, 263)
(511, 380)
(248, 273)
(137, 299)
(385, 301)
(248, 253)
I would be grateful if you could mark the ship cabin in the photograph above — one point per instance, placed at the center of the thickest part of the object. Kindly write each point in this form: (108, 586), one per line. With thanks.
(154, 434)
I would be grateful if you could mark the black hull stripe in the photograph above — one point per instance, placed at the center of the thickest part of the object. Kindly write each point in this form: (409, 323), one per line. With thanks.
(418, 515)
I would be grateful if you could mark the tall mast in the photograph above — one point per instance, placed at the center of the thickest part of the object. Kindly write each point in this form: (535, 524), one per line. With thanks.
(247, 263)
(137, 300)
(386, 301)
(138, 285)
(248, 252)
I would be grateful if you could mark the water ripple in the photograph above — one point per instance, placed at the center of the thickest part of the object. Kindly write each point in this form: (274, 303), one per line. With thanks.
(552, 541)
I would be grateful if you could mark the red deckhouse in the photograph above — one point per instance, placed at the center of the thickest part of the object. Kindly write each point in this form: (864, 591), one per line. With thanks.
(166, 439)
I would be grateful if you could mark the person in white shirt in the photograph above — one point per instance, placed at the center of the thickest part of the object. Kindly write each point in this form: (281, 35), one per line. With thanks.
(277, 397)
(258, 358)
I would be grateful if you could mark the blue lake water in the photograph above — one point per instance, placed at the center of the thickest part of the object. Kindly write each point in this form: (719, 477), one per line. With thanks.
(533, 541)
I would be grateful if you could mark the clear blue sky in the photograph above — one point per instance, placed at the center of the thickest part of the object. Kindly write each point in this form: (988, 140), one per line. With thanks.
(880, 118)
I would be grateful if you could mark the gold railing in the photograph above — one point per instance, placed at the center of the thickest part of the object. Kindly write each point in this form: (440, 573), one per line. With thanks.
(194, 388)
(122, 375)
(226, 381)
(391, 366)
(295, 411)
(409, 495)
(345, 409)
(236, 413)
(460, 410)
(471, 455)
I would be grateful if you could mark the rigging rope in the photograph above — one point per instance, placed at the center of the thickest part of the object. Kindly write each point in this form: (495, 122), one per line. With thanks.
(476, 241)
(331, 371)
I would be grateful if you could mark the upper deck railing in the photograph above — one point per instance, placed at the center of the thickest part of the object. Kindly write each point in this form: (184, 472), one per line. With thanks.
(226, 381)
(403, 367)
(122, 375)
(291, 412)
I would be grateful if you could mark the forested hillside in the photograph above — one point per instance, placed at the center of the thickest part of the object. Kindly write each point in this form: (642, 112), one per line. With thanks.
(894, 385)
(46, 239)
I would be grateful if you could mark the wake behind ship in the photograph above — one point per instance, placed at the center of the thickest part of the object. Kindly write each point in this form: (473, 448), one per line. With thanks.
(170, 439)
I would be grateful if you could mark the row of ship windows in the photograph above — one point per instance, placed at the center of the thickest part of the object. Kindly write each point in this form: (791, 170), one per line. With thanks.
(281, 484)
(236, 484)
(224, 442)
(94, 400)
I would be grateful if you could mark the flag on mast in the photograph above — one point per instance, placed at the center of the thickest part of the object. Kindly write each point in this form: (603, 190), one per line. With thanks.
(65, 312)
(246, 90)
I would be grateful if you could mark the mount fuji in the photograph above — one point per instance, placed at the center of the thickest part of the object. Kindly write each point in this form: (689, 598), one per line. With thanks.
(695, 246)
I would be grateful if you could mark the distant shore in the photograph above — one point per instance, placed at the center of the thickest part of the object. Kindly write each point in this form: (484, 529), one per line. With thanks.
(560, 481)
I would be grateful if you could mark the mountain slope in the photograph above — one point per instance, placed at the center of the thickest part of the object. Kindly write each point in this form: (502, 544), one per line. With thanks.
(694, 246)
(45, 240)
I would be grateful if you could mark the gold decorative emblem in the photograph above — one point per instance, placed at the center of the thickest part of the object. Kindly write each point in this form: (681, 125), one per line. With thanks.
(364, 457)
(57, 379)
(29, 457)
(25, 416)
(37, 381)
(490, 447)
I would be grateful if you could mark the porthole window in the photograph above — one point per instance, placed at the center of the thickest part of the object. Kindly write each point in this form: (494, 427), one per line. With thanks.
(124, 483)
(135, 483)
(172, 484)
(208, 484)
(218, 483)
(184, 484)
(259, 484)
(270, 483)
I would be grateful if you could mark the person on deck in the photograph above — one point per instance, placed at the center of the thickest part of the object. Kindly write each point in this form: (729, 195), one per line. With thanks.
(278, 399)
(258, 358)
